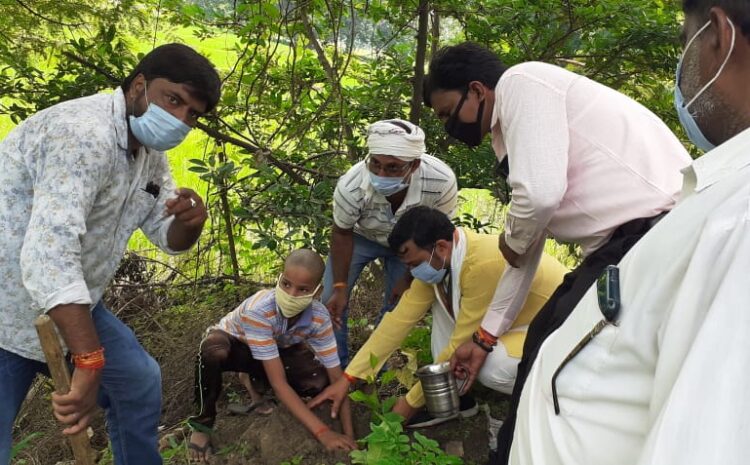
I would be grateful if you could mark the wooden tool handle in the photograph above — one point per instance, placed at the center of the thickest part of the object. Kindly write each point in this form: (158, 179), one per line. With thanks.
(45, 327)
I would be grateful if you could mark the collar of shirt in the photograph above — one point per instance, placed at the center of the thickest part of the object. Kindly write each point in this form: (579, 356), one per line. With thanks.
(413, 192)
(723, 161)
(305, 319)
(119, 116)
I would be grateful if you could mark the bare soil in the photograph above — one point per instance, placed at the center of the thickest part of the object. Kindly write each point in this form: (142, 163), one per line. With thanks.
(170, 324)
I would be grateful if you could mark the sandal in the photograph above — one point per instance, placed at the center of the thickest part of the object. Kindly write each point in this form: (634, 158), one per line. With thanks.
(246, 409)
(203, 453)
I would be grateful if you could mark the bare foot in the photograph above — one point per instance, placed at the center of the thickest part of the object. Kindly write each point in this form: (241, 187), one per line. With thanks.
(199, 447)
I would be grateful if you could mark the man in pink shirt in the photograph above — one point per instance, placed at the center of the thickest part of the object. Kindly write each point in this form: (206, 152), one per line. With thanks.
(586, 165)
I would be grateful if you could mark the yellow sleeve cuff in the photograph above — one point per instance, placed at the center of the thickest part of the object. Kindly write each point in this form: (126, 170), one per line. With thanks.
(415, 396)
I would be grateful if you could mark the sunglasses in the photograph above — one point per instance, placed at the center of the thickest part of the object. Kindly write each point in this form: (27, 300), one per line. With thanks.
(608, 295)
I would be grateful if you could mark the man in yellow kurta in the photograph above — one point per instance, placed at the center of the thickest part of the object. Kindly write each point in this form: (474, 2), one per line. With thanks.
(456, 273)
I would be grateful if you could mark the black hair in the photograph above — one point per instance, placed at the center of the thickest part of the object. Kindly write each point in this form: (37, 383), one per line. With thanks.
(180, 64)
(737, 10)
(400, 125)
(455, 66)
(423, 225)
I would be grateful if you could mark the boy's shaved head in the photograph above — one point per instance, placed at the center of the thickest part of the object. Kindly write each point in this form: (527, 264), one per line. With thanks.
(309, 260)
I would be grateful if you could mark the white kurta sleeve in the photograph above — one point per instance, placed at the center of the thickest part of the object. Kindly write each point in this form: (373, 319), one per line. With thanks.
(512, 290)
(535, 130)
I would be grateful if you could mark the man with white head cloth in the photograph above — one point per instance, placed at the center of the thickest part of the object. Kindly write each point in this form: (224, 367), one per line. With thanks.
(396, 175)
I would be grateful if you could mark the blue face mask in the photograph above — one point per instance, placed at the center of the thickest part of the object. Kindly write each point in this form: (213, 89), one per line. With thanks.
(387, 186)
(157, 128)
(426, 273)
(687, 120)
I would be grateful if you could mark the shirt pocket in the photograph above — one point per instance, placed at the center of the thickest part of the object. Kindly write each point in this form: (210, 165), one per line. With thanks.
(141, 205)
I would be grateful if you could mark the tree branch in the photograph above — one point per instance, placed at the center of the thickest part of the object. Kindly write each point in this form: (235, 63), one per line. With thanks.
(49, 20)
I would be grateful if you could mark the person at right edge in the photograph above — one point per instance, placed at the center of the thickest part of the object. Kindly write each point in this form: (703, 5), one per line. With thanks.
(587, 165)
(668, 382)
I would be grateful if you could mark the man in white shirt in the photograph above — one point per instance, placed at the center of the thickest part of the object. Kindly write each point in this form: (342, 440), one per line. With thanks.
(587, 165)
(396, 176)
(668, 384)
(78, 179)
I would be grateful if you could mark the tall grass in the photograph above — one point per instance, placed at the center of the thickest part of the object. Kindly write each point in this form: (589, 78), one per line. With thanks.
(481, 205)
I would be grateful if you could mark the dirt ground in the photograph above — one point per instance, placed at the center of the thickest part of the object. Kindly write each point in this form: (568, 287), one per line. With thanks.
(279, 439)
(171, 333)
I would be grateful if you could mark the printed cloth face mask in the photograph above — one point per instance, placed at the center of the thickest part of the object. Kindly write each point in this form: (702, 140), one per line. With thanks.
(158, 129)
(290, 305)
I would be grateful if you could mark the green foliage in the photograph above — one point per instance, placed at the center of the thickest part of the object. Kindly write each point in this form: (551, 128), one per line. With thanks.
(23, 444)
(419, 341)
(387, 443)
(293, 461)
(303, 80)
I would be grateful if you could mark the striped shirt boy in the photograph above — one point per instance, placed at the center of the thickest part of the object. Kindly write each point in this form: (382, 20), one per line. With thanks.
(258, 322)
(356, 205)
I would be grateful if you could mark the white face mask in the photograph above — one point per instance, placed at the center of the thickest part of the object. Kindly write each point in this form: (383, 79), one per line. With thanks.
(290, 305)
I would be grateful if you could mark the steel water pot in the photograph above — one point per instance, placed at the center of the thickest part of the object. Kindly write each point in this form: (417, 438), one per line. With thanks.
(440, 390)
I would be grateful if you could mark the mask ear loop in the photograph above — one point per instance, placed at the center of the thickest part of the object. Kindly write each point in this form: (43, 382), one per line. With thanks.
(721, 68)
(442, 267)
(145, 91)
(145, 94)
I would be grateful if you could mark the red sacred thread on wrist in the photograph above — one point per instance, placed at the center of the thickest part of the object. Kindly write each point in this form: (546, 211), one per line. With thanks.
(350, 378)
(321, 431)
(340, 284)
(490, 339)
(89, 360)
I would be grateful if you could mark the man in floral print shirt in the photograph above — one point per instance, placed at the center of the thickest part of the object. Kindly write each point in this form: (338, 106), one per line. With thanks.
(78, 179)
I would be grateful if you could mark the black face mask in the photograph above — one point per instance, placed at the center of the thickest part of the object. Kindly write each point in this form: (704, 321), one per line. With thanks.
(468, 133)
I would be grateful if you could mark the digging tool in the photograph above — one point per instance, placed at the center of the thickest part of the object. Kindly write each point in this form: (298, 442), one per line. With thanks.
(45, 327)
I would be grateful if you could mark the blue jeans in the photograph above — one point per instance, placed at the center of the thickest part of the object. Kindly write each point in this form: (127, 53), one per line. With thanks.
(365, 251)
(130, 392)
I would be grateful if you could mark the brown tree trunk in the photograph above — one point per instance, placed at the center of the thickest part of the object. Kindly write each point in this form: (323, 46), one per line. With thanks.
(435, 36)
(227, 214)
(331, 74)
(415, 112)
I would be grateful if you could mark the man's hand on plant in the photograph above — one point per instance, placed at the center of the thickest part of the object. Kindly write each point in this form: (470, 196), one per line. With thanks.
(336, 393)
(336, 441)
(466, 363)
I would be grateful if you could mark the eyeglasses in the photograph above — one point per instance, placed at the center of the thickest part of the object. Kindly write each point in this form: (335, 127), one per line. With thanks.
(453, 117)
(391, 169)
(608, 295)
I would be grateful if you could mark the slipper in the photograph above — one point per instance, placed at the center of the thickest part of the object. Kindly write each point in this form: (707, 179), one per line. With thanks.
(246, 409)
(206, 451)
